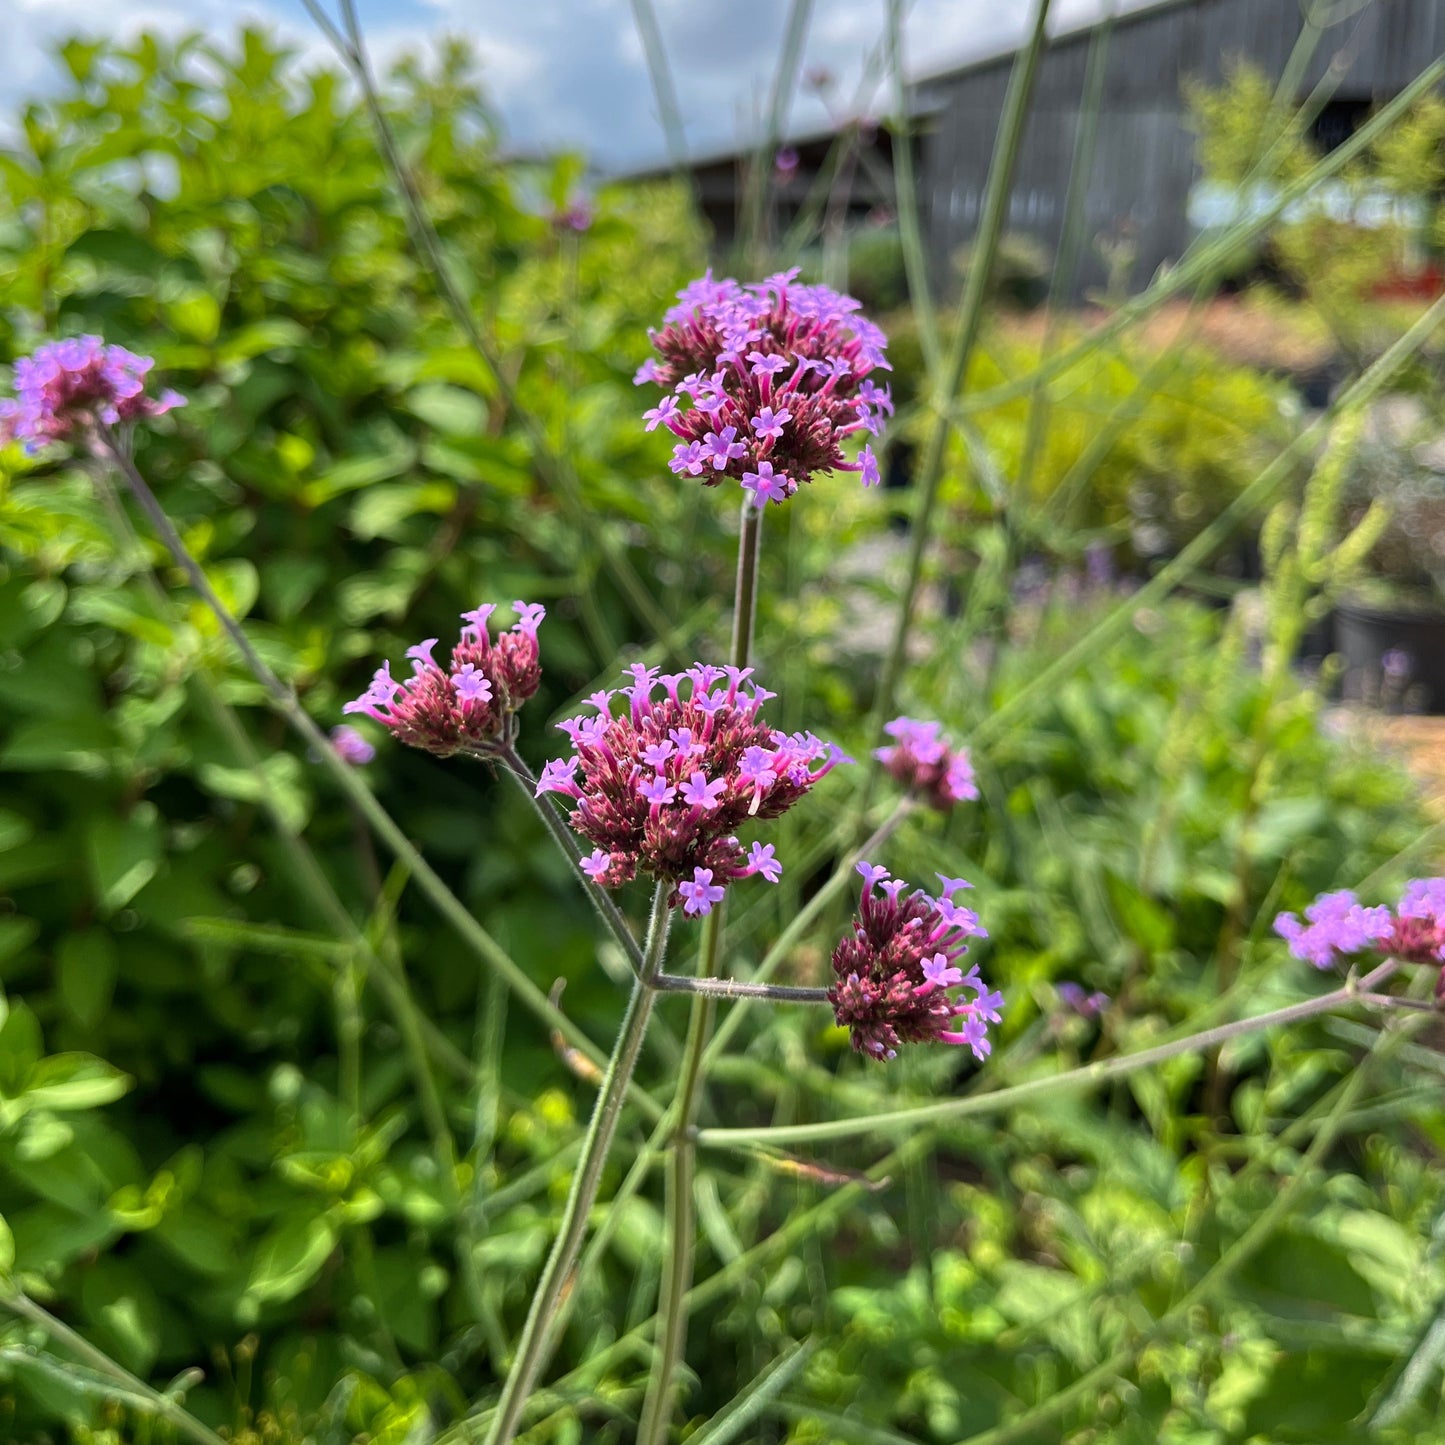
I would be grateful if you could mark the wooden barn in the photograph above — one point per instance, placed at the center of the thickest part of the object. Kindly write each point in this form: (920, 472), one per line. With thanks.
(1140, 169)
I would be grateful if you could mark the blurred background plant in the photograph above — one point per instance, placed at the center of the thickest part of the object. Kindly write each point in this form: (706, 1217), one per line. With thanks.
(209, 1152)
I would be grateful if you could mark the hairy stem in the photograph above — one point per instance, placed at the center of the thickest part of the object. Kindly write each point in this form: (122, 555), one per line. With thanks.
(1086, 1076)
(557, 1274)
(682, 1158)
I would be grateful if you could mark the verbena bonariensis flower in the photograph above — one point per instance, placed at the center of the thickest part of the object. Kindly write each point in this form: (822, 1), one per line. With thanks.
(470, 705)
(1076, 1001)
(1337, 925)
(778, 375)
(662, 787)
(351, 747)
(925, 763)
(69, 386)
(895, 970)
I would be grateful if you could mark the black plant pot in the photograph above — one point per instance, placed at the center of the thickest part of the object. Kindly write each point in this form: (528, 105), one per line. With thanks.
(1393, 656)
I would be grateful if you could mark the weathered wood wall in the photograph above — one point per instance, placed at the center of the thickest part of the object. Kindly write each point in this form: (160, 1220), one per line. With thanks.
(1143, 165)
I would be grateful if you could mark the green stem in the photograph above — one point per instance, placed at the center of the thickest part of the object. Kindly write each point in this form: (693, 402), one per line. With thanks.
(25, 1308)
(1086, 1076)
(378, 819)
(745, 594)
(652, 1429)
(682, 1158)
(915, 257)
(737, 988)
(644, 16)
(946, 386)
(557, 1273)
(752, 224)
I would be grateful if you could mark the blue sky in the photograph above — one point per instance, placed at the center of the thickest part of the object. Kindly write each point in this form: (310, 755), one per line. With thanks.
(570, 73)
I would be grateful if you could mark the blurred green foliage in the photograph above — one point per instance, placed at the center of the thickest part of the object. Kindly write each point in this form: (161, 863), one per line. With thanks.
(182, 1172)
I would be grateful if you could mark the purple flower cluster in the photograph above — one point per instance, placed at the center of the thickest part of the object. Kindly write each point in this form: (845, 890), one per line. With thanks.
(1086, 1005)
(777, 375)
(895, 969)
(351, 747)
(925, 763)
(468, 706)
(69, 386)
(662, 787)
(1337, 925)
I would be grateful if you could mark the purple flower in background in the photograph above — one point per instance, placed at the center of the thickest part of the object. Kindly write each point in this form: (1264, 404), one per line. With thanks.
(894, 969)
(1075, 1000)
(351, 747)
(1397, 665)
(926, 763)
(773, 370)
(68, 387)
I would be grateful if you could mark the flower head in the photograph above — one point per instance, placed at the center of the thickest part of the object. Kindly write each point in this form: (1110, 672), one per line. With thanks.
(1335, 925)
(69, 386)
(470, 705)
(895, 968)
(926, 763)
(351, 747)
(778, 376)
(663, 786)
(1074, 1000)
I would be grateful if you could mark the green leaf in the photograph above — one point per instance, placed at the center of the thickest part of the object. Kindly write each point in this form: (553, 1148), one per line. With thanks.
(74, 1081)
(1147, 922)
(379, 511)
(80, 743)
(15, 935)
(289, 1258)
(86, 965)
(14, 830)
(196, 317)
(448, 409)
(124, 854)
(125, 1311)
(357, 472)
(20, 1049)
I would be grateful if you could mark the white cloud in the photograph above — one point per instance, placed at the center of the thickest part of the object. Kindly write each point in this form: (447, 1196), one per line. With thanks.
(574, 76)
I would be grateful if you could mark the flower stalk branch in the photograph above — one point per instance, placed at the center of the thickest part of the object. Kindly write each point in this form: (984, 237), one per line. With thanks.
(1352, 992)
